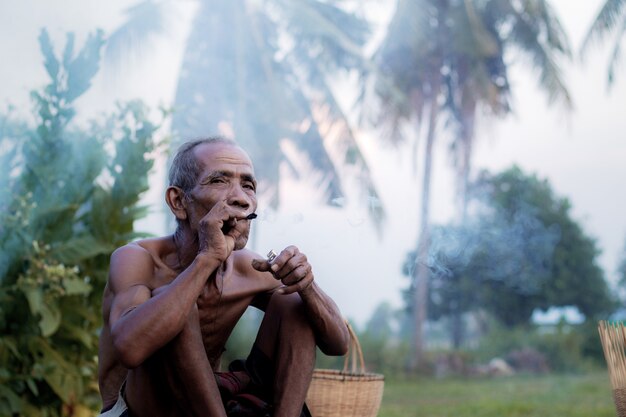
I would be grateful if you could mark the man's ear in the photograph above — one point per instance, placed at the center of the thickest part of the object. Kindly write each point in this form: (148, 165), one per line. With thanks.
(175, 198)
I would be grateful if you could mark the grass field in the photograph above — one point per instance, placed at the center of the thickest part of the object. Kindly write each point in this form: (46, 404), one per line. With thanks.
(529, 396)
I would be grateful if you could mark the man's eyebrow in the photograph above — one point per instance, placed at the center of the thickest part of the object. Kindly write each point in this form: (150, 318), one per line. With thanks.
(216, 174)
(248, 177)
(227, 174)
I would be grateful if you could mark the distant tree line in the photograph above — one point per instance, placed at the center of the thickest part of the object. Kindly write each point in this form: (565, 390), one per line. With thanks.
(518, 251)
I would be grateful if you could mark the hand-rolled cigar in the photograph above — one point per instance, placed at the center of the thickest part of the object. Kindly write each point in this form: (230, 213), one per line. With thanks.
(228, 225)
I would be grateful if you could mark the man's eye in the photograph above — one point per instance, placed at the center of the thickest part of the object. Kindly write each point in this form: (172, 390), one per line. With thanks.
(249, 186)
(218, 181)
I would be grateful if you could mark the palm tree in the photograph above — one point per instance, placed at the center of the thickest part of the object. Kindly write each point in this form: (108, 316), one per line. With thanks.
(260, 71)
(443, 61)
(481, 85)
(611, 20)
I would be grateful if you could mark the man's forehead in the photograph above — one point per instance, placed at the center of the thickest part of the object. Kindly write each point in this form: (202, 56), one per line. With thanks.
(217, 153)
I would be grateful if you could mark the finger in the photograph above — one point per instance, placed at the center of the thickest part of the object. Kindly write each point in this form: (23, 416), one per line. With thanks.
(225, 212)
(298, 286)
(216, 217)
(234, 233)
(230, 217)
(159, 290)
(261, 265)
(297, 274)
(283, 270)
(235, 213)
(283, 258)
(230, 242)
(298, 265)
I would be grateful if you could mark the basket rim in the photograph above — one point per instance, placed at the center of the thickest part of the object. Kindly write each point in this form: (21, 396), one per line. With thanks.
(344, 375)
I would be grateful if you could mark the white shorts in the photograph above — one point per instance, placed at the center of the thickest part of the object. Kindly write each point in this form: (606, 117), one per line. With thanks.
(120, 409)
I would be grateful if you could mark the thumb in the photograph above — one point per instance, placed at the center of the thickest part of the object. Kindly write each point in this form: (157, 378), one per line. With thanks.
(261, 265)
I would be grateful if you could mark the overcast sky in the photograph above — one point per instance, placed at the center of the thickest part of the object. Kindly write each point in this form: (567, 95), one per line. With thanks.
(582, 154)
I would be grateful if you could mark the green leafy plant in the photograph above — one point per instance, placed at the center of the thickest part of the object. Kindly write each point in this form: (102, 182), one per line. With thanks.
(69, 197)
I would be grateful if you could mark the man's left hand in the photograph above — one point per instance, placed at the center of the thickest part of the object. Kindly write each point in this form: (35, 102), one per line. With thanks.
(291, 267)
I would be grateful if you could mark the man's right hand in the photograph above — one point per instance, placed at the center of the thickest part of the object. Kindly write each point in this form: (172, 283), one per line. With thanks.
(219, 229)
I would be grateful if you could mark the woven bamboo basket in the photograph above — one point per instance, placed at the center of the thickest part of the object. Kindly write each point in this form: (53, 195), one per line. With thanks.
(613, 338)
(346, 393)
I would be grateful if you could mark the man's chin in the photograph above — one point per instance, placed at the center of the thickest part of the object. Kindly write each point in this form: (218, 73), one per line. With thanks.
(241, 243)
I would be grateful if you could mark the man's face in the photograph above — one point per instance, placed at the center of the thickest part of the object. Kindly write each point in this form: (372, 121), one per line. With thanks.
(227, 175)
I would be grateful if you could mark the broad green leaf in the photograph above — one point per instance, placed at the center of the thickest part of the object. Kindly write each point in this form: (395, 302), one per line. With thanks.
(32, 386)
(50, 61)
(34, 296)
(10, 399)
(9, 343)
(84, 67)
(60, 375)
(29, 410)
(74, 286)
(50, 318)
(79, 248)
(68, 52)
(85, 337)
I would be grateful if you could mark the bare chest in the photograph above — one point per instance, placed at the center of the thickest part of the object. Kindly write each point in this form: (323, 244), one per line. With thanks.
(222, 303)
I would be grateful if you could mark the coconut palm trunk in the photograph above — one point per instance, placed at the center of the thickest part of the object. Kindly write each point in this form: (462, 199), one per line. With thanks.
(421, 272)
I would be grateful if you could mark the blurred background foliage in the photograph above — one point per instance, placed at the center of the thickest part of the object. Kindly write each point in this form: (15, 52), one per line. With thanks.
(269, 84)
(70, 195)
(70, 192)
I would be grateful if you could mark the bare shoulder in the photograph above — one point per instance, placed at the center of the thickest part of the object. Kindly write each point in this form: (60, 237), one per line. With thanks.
(243, 262)
(243, 267)
(131, 264)
(264, 282)
(131, 278)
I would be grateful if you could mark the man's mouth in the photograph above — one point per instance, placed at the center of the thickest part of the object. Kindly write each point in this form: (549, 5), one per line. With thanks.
(228, 226)
(232, 223)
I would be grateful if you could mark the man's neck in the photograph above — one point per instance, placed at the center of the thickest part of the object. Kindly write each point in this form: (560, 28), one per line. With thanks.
(186, 244)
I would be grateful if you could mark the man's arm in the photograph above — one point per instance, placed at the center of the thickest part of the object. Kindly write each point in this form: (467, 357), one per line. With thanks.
(293, 269)
(141, 324)
(332, 333)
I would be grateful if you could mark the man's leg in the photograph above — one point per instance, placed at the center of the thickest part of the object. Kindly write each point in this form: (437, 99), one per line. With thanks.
(286, 338)
(177, 379)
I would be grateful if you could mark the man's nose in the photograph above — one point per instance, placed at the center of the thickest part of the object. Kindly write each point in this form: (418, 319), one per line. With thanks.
(238, 197)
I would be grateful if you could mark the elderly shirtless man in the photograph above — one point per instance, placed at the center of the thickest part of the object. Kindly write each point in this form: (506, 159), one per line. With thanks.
(171, 303)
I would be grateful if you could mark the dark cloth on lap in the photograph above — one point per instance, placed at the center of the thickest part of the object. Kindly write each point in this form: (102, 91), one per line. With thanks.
(256, 398)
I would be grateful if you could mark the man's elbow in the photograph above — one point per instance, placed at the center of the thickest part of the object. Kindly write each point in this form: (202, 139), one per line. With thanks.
(339, 346)
(127, 354)
(335, 350)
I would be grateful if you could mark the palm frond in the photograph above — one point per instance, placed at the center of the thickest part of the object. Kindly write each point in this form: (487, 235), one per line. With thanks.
(525, 36)
(616, 55)
(347, 145)
(144, 23)
(556, 37)
(610, 15)
(327, 30)
(262, 89)
(485, 42)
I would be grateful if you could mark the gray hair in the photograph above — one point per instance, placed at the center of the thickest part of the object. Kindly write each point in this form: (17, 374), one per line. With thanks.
(185, 168)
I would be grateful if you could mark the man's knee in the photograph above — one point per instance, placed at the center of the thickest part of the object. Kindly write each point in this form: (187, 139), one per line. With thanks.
(282, 304)
(288, 309)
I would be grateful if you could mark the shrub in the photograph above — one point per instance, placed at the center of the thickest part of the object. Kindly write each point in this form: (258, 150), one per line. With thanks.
(69, 198)
(563, 346)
